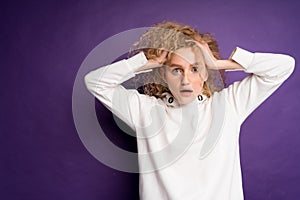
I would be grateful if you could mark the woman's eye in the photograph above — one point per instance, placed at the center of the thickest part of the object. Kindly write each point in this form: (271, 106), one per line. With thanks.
(176, 70)
(195, 69)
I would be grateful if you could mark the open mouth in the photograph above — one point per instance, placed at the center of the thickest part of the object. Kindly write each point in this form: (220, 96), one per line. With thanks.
(186, 91)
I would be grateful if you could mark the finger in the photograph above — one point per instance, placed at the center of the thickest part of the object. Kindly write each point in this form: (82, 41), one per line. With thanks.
(204, 47)
(199, 43)
(163, 56)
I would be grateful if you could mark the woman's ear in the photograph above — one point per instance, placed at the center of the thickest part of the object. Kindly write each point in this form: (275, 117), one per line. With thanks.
(205, 76)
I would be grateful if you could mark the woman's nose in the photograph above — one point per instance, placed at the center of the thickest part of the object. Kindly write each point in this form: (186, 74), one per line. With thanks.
(185, 79)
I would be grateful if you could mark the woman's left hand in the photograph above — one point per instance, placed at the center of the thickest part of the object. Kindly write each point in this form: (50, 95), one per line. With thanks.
(209, 59)
(213, 63)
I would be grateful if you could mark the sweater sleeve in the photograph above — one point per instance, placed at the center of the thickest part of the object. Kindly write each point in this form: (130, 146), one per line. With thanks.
(268, 72)
(105, 84)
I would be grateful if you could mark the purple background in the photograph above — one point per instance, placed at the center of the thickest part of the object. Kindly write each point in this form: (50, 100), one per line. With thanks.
(43, 44)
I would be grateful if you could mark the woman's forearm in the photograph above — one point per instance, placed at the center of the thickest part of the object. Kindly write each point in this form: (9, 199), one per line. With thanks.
(228, 65)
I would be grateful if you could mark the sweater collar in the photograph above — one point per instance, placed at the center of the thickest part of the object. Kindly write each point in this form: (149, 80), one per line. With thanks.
(172, 102)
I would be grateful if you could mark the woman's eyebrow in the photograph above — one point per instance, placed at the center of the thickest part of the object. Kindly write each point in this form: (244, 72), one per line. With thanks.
(175, 65)
(196, 64)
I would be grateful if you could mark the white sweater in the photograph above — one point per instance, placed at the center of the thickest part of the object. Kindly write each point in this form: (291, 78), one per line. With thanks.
(190, 152)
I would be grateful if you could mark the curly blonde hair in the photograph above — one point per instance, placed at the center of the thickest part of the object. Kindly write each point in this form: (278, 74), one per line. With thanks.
(171, 36)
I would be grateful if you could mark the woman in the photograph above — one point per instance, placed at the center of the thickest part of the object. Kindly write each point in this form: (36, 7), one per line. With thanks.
(187, 124)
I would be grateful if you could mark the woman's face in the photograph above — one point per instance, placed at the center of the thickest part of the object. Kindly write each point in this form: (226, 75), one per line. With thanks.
(185, 75)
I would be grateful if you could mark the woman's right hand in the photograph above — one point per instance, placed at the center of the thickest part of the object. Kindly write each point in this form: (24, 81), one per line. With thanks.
(155, 62)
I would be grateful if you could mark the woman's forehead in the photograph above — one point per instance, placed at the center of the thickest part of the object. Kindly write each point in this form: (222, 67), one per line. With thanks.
(185, 56)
